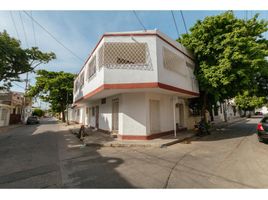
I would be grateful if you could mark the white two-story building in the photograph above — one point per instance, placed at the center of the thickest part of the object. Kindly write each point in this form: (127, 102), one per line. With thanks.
(136, 85)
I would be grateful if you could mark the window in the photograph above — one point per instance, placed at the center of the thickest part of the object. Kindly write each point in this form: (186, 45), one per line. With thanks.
(127, 55)
(93, 111)
(91, 67)
(76, 84)
(81, 80)
(103, 101)
(173, 61)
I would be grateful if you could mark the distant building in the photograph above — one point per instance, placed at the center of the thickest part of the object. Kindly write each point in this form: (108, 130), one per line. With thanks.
(263, 109)
(136, 85)
(15, 108)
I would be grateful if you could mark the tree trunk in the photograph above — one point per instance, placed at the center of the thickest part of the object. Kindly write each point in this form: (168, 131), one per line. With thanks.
(204, 107)
(224, 111)
(63, 113)
(211, 113)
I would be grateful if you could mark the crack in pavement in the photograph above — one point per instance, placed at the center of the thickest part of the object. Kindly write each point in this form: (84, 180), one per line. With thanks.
(172, 169)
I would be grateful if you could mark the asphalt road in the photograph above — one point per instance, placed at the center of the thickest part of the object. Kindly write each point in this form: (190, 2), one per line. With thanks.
(48, 156)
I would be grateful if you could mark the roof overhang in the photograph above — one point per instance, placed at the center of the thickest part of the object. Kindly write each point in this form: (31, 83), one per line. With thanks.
(107, 90)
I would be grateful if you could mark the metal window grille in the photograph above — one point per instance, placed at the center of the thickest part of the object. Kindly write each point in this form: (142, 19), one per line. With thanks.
(92, 67)
(191, 75)
(173, 62)
(81, 80)
(119, 55)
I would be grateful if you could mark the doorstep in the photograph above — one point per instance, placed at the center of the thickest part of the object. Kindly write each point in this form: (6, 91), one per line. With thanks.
(105, 140)
(102, 139)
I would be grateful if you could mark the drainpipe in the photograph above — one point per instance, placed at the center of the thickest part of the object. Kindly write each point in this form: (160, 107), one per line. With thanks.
(174, 116)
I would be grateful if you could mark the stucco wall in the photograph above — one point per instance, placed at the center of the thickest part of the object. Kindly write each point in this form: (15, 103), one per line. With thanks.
(132, 119)
(182, 80)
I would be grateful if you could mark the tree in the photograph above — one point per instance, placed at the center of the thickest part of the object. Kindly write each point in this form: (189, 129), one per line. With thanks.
(15, 61)
(229, 52)
(55, 88)
(38, 112)
(248, 102)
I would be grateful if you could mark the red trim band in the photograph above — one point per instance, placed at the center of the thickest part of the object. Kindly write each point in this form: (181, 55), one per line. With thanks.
(136, 86)
(144, 137)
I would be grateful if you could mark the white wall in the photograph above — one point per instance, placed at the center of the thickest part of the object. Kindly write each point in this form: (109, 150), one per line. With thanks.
(182, 80)
(4, 120)
(157, 72)
(132, 117)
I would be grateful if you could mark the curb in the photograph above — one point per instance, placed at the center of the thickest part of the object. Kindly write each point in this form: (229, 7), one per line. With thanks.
(3, 130)
(177, 141)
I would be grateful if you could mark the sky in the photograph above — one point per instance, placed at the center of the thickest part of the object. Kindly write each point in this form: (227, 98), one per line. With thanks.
(81, 30)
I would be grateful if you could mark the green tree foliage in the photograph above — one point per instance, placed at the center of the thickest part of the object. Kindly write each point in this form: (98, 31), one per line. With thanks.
(229, 52)
(38, 112)
(15, 61)
(55, 88)
(249, 102)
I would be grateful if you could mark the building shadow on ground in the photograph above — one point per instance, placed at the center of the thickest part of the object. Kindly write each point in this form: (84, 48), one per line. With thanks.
(231, 132)
(55, 159)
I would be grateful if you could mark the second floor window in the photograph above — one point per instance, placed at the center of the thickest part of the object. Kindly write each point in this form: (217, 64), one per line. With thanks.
(91, 68)
(126, 55)
(174, 62)
(81, 80)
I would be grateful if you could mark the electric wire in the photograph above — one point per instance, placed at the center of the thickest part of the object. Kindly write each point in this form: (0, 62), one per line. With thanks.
(174, 20)
(51, 35)
(184, 22)
(139, 20)
(25, 36)
(14, 24)
(33, 29)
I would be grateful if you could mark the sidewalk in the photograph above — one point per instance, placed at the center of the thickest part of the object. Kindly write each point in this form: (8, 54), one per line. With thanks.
(5, 129)
(228, 123)
(98, 138)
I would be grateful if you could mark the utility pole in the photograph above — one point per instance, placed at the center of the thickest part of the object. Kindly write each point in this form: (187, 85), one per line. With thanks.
(24, 98)
(67, 113)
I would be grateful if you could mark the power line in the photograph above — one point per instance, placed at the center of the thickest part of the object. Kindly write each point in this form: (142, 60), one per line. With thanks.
(51, 35)
(139, 20)
(184, 21)
(175, 23)
(18, 85)
(14, 24)
(33, 29)
(24, 30)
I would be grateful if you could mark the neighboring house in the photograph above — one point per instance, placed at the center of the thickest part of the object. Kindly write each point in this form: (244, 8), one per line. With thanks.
(263, 109)
(225, 111)
(4, 114)
(20, 107)
(136, 85)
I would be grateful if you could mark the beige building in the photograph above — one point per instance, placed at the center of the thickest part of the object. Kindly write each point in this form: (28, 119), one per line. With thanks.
(15, 108)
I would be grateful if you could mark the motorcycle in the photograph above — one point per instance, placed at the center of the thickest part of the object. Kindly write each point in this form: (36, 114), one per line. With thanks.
(202, 129)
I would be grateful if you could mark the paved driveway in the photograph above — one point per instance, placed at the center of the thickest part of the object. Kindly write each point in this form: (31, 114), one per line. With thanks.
(47, 155)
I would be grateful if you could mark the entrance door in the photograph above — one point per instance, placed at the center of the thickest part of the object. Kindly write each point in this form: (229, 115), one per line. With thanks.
(115, 115)
(181, 113)
(154, 116)
(97, 117)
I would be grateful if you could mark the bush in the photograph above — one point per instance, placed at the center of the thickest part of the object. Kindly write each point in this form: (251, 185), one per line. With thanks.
(38, 112)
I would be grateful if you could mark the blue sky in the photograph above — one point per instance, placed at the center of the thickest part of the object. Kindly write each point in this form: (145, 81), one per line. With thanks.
(81, 30)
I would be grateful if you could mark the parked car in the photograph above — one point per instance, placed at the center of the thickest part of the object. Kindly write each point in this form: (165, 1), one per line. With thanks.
(262, 129)
(258, 113)
(32, 120)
